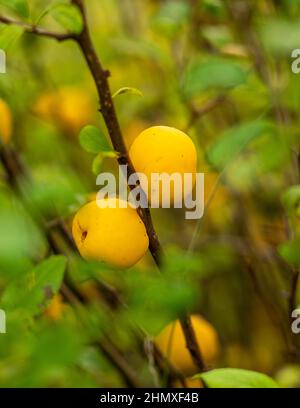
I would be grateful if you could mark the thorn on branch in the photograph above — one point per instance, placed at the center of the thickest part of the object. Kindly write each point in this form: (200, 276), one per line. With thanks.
(107, 73)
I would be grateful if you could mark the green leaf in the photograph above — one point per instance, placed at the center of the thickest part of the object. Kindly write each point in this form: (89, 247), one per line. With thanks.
(138, 48)
(162, 300)
(214, 7)
(290, 252)
(34, 292)
(171, 17)
(53, 191)
(98, 160)
(47, 357)
(213, 73)
(68, 16)
(291, 199)
(127, 89)
(93, 140)
(21, 241)
(18, 6)
(97, 164)
(280, 36)
(218, 36)
(236, 378)
(9, 35)
(234, 140)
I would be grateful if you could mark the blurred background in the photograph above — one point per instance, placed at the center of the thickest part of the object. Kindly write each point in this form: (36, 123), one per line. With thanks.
(221, 72)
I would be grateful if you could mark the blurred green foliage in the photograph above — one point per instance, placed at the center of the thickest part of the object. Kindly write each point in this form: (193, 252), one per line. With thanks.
(178, 56)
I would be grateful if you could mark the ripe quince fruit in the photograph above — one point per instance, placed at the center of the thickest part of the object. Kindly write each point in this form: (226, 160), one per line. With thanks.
(163, 149)
(5, 122)
(104, 231)
(171, 342)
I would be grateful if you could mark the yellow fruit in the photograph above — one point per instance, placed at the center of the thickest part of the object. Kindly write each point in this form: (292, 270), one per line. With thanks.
(163, 149)
(68, 108)
(5, 122)
(114, 235)
(190, 383)
(55, 310)
(171, 342)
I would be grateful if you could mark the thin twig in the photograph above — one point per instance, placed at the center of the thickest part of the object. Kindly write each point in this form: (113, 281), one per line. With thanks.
(242, 14)
(118, 360)
(111, 352)
(294, 292)
(32, 29)
(197, 113)
(191, 342)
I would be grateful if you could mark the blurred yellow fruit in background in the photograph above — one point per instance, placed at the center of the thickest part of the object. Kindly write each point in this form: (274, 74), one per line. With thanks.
(5, 122)
(215, 194)
(55, 309)
(163, 149)
(190, 383)
(114, 235)
(217, 199)
(172, 344)
(69, 108)
(288, 376)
